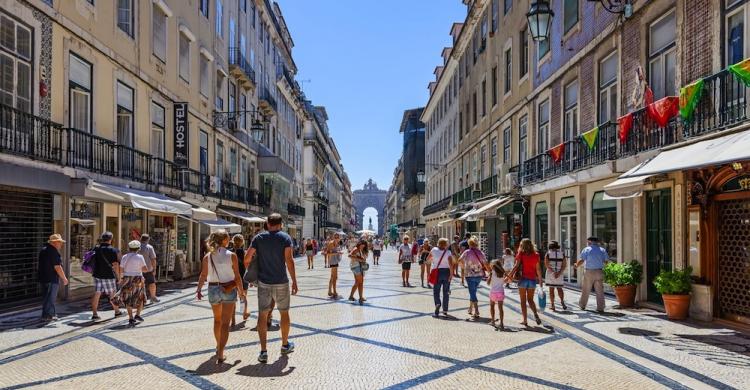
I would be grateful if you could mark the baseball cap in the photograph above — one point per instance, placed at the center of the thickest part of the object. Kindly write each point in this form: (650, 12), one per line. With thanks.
(107, 236)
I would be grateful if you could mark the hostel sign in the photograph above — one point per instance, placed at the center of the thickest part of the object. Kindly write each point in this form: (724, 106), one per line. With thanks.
(181, 135)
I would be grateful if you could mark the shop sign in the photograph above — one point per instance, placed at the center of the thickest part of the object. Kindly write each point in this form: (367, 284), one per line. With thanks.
(181, 135)
(739, 183)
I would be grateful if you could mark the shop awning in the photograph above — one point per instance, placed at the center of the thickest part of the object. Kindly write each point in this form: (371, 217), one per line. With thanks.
(716, 151)
(203, 214)
(475, 210)
(242, 215)
(441, 223)
(625, 187)
(84, 222)
(493, 205)
(222, 224)
(141, 199)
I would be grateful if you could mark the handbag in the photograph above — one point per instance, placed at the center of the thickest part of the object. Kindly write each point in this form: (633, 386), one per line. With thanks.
(433, 278)
(251, 273)
(227, 287)
(541, 298)
(89, 260)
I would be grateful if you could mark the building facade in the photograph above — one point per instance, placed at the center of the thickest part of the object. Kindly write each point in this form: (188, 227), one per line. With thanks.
(592, 132)
(167, 117)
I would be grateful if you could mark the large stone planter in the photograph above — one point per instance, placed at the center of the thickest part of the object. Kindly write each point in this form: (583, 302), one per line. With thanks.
(625, 295)
(702, 303)
(676, 306)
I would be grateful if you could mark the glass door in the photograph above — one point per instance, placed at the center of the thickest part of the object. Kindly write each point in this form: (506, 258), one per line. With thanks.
(568, 240)
(658, 238)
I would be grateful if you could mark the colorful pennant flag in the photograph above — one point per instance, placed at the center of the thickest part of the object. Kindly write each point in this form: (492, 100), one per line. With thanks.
(742, 71)
(624, 124)
(662, 110)
(557, 153)
(690, 95)
(589, 137)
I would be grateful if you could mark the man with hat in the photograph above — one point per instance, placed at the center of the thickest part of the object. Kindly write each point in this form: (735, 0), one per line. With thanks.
(593, 258)
(106, 261)
(50, 275)
(148, 253)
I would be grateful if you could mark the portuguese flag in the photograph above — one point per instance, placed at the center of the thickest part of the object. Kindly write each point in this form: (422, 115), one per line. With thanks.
(690, 95)
(624, 124)
(589, 137)
(742, 71)
(557, 153)
(662, 110)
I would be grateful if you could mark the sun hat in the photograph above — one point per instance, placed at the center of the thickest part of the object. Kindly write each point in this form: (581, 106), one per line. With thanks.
(55, 238)
(135, 244)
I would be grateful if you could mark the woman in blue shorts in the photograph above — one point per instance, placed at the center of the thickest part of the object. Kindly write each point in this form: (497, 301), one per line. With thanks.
(358, 265)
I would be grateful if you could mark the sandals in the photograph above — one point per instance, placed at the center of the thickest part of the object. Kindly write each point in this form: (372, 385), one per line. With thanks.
(351, 299)
(245, 316)
(565, 307)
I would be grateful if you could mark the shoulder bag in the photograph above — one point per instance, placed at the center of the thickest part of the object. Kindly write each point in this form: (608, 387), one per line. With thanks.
(479, 260)
(227, 287)
(433, 278)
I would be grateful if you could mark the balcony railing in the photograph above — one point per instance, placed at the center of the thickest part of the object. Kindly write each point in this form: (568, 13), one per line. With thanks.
(267, 99)
(26, 135)
(437, 206)
(237, 60)
(723, 103)
(133, 164)
(295, 209)
(489, 186)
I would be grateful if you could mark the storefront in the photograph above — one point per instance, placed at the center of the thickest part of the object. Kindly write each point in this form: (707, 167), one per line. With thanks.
(85, 229)
(568, 228)
(250, 224)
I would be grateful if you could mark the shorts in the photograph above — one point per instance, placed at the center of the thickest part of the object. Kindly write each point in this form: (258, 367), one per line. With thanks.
(406, 265)
(149, 277)
(376, 252)
(216, 295)
(527, 283)
(270, 293)
(309, 253)
(497, 296)
(106, 286)
(333, 265)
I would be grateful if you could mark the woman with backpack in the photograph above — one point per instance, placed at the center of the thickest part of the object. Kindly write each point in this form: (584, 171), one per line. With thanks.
(474, 264)
(220, 268)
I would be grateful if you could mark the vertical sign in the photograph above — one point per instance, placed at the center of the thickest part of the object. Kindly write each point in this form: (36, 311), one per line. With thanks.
(181, 135)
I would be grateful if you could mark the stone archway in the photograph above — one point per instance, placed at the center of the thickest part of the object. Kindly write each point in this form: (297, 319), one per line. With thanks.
(369, 196)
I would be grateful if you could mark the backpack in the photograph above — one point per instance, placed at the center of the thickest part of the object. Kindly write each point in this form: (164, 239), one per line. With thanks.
(89, 260)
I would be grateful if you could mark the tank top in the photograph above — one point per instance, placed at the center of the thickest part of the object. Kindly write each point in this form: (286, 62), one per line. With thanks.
(221, 271)
(497, 283)
(529, 263)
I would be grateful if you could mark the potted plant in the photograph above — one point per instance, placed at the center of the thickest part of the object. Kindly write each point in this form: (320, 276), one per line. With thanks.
(675, 287)
(624, 278)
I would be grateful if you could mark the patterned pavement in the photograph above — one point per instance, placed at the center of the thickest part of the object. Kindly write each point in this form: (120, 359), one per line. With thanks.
(390, 342)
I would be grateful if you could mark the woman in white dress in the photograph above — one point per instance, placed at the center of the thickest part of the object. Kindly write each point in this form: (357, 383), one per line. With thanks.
(554, 262)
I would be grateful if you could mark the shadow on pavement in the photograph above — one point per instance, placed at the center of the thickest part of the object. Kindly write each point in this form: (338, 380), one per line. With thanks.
(260, 370)
(546, 329)
(210, 367)
(447, 317)
(638, 332)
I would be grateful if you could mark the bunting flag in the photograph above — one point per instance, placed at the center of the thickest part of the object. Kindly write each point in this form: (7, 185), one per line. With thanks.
(662, 110)
(557, 153)
(690, 95)
(589, 137)
(648, 96)
(624, 124)
(742, 71)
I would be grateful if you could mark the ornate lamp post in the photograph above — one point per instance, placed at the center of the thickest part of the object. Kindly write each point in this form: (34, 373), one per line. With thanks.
(230, 120)
(539, 18)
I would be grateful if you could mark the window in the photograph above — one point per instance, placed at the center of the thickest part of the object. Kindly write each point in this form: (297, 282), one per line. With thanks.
(494, 86)
(125, 16)
(80, 94)
(507, 6)
(232, 97)
(495, 16)
(662, 56)
(232, 32)
(484, 98)
(542, 48)
(232, 165)
(570, 106)
(506, 145)
(604, 222)
(203, 152)
(523, 60)
(493, 155)
(244, 167)
(460, 125)
(184, 58)
(608, 89)
(475, 170)
(219, 160)
(736, 37)
(476, 108)
(219, 19)
(125, 133)
(541, 219)
(243, 107)
(508, 70)
(204, 76)
(157, 130)
(159, 27)
(243, 5)
(543, 127)
(15, 64)
(570, 14)
(483, 32)
(523, 125)
(203, 5)
(219, 101)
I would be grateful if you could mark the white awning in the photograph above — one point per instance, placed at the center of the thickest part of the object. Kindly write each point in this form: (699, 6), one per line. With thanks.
(494, 205)
(441, 223)
(203, 214)
(142, 199)
(716, 151)
(242, 215)
(625, 187)
(84, 222)
(478, 207)
(222, 224)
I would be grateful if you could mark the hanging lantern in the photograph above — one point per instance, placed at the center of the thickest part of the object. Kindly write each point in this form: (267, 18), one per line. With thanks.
(257, 130)
(540, 20)
(420, 176)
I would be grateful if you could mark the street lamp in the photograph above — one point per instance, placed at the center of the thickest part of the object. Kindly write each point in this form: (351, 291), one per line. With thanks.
(257, 130)
(420, 176)
(539, 18)
(231, 120)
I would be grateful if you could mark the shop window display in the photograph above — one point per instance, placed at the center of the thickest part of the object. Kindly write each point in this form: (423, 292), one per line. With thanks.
(132, 226)
(604, 222)
(164, 240)
(85, 228)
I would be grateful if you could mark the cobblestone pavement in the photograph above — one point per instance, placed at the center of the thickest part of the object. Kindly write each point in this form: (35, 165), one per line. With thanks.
(392, 341)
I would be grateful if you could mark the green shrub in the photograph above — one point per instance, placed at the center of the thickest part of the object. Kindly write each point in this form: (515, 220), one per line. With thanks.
(623, 274)
(674, 282)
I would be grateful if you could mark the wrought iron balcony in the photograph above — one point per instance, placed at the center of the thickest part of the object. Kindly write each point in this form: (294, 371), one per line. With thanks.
(240, 66)
(295, 209)
(437, 206)
(267, 102)
(26, 135)
(723, 103)
(489, 186)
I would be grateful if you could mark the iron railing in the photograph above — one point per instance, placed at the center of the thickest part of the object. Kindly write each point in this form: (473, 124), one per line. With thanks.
(29, 136)
(295, 209)
(265, 96)
(237, 59)
(489, 186)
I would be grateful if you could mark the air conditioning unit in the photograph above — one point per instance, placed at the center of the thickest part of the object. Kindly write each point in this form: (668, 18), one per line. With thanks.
(214, 184)
(232, 124)
(477, 187)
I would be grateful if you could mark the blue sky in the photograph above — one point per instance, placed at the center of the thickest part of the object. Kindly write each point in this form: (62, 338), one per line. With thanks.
(368, 61)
